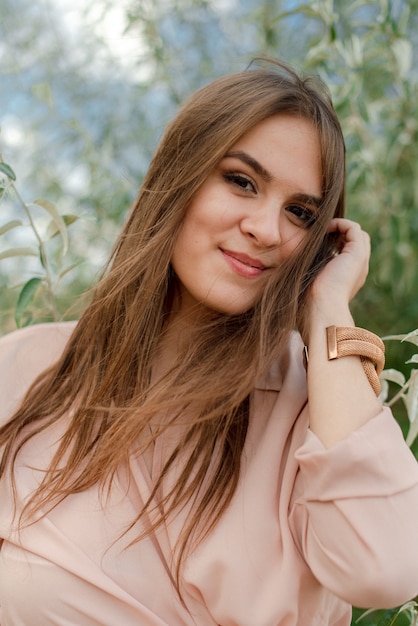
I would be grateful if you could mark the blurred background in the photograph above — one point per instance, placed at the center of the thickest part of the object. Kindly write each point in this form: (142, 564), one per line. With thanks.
(87, 87)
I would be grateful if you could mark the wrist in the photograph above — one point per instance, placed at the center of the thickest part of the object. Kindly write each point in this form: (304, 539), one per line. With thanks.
(349, 341)
(328, 315)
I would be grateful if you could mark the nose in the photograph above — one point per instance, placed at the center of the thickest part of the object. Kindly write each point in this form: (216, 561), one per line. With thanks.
(263, 225)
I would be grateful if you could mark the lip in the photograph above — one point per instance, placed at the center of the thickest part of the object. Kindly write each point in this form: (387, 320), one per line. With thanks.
(244, 265)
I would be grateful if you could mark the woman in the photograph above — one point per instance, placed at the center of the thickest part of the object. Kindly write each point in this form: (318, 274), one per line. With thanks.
(173, 463)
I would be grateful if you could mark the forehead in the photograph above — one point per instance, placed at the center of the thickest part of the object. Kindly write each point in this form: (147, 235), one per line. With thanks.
(287, 147)
(290, 127)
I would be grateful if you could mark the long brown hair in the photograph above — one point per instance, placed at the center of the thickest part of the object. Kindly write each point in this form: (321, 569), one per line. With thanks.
(101, 385)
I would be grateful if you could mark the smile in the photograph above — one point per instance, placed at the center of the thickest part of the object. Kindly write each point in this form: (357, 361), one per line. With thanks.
(243, 264)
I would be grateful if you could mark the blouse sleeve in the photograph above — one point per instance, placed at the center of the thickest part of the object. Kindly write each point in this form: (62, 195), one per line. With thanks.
(355, 514)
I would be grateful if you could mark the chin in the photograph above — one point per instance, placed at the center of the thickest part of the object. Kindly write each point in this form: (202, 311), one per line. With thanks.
(230, 308)
(223, 301)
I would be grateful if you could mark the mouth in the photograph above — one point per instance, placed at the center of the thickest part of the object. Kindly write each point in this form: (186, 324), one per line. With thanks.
(243, 264)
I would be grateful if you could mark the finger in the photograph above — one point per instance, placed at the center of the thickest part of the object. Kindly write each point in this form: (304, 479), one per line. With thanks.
(343, 226)
(346, 231)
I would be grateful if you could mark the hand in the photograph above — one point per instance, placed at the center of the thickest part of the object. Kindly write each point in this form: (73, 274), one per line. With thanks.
(343, 276)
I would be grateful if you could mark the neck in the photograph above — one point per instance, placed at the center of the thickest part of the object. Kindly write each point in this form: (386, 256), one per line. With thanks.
(175, 339)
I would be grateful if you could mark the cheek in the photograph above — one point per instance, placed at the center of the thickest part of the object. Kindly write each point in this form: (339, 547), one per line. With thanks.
(293, 242)
(205, 221)
(189, 244)
(190, 237)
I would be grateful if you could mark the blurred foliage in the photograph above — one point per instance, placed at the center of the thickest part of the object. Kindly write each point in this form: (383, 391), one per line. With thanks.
(406, 615)
(89, 120)
(87, 89)
(38, 297)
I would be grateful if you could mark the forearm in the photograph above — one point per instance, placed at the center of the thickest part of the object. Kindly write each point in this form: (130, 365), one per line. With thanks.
(355, 513)
(341, 398)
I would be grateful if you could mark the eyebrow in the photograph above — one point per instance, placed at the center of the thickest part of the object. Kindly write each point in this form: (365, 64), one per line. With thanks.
(253, 163)
(268, 177)
(307, 199)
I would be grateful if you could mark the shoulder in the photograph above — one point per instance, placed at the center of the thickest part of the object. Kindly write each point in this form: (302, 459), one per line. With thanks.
(35, 346)
(24, 354)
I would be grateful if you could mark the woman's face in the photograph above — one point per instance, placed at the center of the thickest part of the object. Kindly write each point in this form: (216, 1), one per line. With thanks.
(251, 213)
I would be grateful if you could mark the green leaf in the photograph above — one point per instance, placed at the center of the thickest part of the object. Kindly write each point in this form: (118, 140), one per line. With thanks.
(402, 49)
(26, 297)
(384, 391)
(411, 337)
(6, 169)
(18, 252)
(43, 261)
(394, 376)
(68, 269)
(306, 9)
(411, 399)
(50, 208)
(412, 433)
(52, 230)
(385, 617)
(9, 226)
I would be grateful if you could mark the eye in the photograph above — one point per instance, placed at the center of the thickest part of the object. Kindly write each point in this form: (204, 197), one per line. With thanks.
(239, 180)
(302, 215)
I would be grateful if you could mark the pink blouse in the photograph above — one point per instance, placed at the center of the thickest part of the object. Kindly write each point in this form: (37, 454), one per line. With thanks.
(309, 531)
